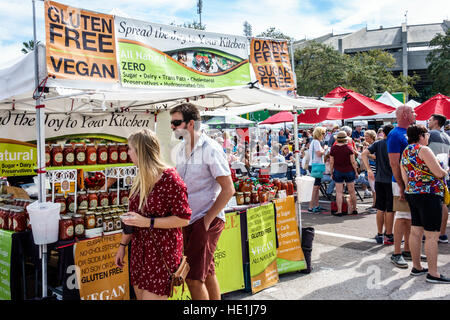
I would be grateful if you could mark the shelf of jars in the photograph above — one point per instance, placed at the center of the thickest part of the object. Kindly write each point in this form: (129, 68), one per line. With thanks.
(94, 167)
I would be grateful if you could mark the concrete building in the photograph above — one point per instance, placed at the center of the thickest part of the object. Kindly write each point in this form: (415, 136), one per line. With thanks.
(409, 44)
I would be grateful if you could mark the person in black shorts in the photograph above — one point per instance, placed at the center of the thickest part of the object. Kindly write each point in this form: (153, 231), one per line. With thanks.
(383, 187)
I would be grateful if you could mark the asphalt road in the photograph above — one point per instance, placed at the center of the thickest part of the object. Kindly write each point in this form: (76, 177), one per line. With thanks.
(349, 265)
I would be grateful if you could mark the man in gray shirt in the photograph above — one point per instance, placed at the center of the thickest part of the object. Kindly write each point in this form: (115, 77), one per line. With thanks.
(439, 143)
(202, 164)
(383, 186)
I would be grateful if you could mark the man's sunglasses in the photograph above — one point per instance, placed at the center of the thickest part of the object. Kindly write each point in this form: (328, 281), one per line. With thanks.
(176, 123)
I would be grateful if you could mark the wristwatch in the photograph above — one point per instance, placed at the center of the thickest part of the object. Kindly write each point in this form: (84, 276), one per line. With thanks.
(152, 223)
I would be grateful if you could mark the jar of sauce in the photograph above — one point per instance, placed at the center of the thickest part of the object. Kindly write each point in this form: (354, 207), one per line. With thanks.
(78, 225)
(103, 199)
(82, 211)
(247, 197)
(277, 183)
(69, 155)
(284, 186)
(123, 152)
(117, 222)
(66, 228)
(255, 197)
(82, 199)
(4, 216)
(48, 155)
(124, 193)
(113, 153)
(80, 154)
(57, 155)
(263, 197)
(70, 202)
(108, 224)
(92, 199)
(102, 154)
(59, 198)
(99, 219)
(89, 220)
(91, 154)
(290, 188)
(239, 198)
(19, 221)
(113, 200)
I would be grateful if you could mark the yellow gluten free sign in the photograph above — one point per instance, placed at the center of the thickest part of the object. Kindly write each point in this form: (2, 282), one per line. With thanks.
(17, 158)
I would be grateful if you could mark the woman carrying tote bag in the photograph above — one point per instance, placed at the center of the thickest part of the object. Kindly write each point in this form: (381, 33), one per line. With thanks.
(317, 166)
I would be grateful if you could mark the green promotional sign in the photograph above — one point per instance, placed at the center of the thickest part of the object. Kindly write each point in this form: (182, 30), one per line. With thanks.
(17, 158)
(5, 264)
(262, 247)
(228, 256)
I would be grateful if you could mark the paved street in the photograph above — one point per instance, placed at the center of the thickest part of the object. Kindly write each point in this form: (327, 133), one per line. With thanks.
(348, 264)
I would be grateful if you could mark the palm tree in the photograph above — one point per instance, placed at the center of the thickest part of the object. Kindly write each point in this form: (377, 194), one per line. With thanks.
(29, 46)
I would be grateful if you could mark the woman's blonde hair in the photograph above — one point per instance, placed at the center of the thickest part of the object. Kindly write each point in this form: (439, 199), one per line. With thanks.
(319, 132)
(371, 133)
(149, 162)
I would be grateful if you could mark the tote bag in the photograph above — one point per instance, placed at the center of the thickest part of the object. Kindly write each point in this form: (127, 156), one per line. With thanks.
(317, 169)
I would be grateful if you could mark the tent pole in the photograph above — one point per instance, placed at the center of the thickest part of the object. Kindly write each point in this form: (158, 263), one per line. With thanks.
(40, 139)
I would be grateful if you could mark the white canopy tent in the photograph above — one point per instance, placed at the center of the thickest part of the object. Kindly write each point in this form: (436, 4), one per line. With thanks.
(412, 103)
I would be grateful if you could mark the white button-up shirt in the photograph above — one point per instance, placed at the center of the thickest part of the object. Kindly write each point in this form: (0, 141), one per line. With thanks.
(199, 171)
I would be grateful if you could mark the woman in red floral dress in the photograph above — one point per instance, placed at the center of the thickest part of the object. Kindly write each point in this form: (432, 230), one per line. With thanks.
(158, 205)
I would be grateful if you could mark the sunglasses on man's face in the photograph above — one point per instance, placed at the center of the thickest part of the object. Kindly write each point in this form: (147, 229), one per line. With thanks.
(176, 123)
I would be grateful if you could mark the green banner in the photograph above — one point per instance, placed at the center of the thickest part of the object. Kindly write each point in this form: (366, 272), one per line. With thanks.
(262, 247)
(228, 256)
(17, 158)
(5, 264)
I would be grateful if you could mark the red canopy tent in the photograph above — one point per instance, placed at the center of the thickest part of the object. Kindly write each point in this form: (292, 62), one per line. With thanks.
(282, 116)
(439, 104)
(355, 104)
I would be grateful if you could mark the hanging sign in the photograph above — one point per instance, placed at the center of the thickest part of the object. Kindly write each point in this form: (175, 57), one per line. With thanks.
(80, 44)
(155, 55)
(270, 61)
(290, 256)
(5, 264)
(17, 158)
(97, 274)
(262, 247)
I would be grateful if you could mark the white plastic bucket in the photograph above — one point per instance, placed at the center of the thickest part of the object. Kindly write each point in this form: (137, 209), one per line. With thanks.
(305, 185)
(44, 220)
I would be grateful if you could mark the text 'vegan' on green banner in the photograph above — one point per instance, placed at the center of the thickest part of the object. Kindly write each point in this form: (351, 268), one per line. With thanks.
(154, 55)
(262, 247)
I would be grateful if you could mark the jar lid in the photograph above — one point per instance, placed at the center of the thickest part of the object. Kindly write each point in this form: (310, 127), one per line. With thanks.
(71, 193)
(59, 194)
(122, 144)
(100, 208)
(103, 191)
(92, 191)
(79, 145)
(81, 192)
(98, 213)
(66, 217)
(107, 218)
(77, 215)
(67, 145)
(56, 145)
(101, 144)
(90, 145)
(113, 189)
(240, 193)
(111, 144)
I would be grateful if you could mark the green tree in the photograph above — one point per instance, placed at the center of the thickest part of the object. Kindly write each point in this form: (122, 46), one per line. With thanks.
(320, 69)
(274, 34)
(28, 46)
(439, 63)
(247, 29)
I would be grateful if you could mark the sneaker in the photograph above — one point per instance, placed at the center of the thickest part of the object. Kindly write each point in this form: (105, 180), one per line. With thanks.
(407, 256)
(337, 214)
(319, 208)
(367, 194)
(441, 279)
(312, 210)
(415, 272)
(398, 261)
(443, 239)
(379, 238)
(388, 239)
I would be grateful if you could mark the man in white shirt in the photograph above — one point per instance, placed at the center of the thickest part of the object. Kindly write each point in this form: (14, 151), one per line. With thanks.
(202, 164)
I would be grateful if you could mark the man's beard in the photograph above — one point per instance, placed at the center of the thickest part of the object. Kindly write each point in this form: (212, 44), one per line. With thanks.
(180, 133)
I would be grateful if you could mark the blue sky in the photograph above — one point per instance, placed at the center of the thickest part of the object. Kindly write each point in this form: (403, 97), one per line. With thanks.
(297, 18)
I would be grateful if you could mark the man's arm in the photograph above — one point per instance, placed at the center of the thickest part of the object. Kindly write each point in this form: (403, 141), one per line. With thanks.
(394, 161)
(222, 199)
(365, 159)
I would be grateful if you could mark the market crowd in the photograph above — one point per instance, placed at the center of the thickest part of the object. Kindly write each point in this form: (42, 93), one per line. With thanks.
(180, 211)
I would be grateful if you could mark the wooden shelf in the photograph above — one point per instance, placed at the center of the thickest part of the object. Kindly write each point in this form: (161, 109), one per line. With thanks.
(94, 167)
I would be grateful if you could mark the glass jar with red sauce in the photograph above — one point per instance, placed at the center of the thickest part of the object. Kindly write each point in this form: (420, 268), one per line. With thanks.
(103, 198)
(80, 154)
(263, 196)
(59, 198)
(92, 199)
(113, 200)
(78, 225)
(48, 155)
(123, 152)
(70, 202)
(91, 154)
(57, 155)
(69, 155)
(123, 195)
(4, 217)
(19, 221)
(255, 197)
(290, 188)
(102, 154)
(66, 229)
(82, 199)
(113, 153)
(247, 197)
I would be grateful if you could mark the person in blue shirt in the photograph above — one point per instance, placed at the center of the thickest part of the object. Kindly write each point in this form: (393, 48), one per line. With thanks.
(357, 134)
(397, 141)
(281, 137)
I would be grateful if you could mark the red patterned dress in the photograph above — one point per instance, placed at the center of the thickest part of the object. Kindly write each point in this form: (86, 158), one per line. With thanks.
(147, 270)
